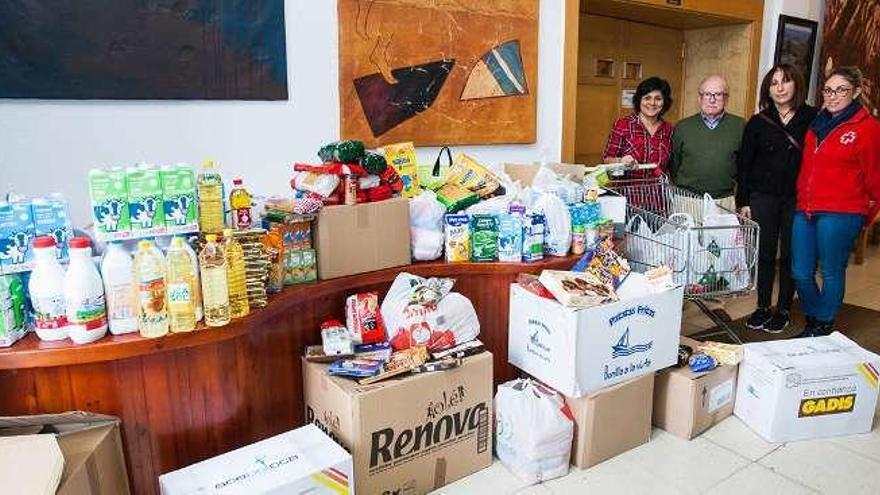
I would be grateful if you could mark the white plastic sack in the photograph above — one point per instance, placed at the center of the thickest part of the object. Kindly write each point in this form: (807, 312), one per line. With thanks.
(557, 236)
(493, 206)
(726, 244)
(418, 311)
(533, 431)
(426, 226)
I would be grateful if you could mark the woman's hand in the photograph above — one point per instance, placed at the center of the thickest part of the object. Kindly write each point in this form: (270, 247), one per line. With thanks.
(746, 211)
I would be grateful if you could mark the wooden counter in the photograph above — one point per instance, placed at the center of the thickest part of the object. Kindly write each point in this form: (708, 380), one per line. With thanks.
(185, 397)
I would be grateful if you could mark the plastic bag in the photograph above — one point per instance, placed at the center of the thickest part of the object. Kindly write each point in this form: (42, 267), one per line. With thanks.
(533, 431)
(557, 236)
(726, 244)
(323, 184)
(426, 226)
(419, 311)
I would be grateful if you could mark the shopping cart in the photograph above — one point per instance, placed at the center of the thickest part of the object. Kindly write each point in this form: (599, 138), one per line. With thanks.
(713, 254)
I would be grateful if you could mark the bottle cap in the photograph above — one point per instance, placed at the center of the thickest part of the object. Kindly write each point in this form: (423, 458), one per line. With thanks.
(145, 244)
(236, 182)
(79, 243)
(44, 242)
(208, 163)
(211, 237)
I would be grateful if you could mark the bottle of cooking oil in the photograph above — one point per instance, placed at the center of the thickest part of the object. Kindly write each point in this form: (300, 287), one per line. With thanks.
(149, 268)
(240, 203)
(197, 286)
(215, 292)
(210, 188)
(181, 280)
(238, 301)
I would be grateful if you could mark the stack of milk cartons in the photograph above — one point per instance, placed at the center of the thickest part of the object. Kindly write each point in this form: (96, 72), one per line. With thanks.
(22, 220)
(13, 313)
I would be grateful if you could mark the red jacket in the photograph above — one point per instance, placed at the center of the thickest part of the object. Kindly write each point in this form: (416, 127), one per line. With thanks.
(842, 174)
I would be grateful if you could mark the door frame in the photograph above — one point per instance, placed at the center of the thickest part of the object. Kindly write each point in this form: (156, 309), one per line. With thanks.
(747, 11)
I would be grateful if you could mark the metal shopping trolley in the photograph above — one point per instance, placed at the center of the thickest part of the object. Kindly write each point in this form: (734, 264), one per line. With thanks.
(712, 251)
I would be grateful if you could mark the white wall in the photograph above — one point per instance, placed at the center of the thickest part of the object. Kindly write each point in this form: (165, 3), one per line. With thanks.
(813, 10)
(49, 146)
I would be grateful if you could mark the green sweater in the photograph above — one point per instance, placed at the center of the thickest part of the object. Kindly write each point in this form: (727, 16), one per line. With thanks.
(704, 160)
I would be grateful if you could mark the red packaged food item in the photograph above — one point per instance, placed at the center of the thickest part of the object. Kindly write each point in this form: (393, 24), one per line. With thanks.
(363, 318)
(531, 283)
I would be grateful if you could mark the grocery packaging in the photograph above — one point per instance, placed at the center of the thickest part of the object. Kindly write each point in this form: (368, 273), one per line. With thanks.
(240, 202)
(355, 368)
(181, 282)
(197, 285)
(236, 277)
(51, 218)
(402, 158)
(363, 319)
(458, 238)
(484, 237)
(84, 295)
(13, 313)
(534, 227)
(510, 238)
(577, 290)
(120, 289)
(209, 185)
(16, 236)
(456, 198)
(426, 226)
(179, 198)
(557, 233)
(46, 291)
(346, 151)
(145, 204)
(215, 286)
(149, 269)
(603, 261)
(336, 339)
(109, 203)
(468, 173)
(256, 265)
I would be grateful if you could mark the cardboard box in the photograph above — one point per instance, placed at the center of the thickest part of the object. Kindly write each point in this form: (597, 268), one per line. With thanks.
(304, 460)
(580, 351)
(362, 238)
(611, 421)
(410, 435)
(687, 403)
(91, 445)
(807, 388)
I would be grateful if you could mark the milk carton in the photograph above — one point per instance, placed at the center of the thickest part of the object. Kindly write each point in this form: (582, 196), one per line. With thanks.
(179, 198)
(16, 236)
(109, 203)
(145, 206)
(12, 310)
(51, 218)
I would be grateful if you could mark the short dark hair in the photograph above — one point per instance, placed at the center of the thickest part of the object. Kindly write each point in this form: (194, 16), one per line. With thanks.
(653, 84)
(789, 73)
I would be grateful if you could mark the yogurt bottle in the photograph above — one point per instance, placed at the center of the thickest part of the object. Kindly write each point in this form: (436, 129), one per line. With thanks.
(84, 294)
(120, 289)
(46, 290)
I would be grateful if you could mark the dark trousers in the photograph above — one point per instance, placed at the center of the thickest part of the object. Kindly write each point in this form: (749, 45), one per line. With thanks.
(774, 215)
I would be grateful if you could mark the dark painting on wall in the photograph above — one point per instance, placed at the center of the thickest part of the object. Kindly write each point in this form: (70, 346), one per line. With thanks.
(851, 36)
(795, 41)
(143, 49)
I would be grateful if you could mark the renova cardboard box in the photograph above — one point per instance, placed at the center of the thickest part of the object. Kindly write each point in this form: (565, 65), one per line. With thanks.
(362, 238)
(807, 388)
(687, 403)
(409, 435)
(90, 443)
(580, 351)
(611, 421)
(304, 460)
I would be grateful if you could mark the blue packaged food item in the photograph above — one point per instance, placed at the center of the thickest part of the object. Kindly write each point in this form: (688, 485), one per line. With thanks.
(355, 368)
(510, 238)
(699, 362)
(534, 227)
(380, 351)
(16, 236)
(457, 230)
(52, 219)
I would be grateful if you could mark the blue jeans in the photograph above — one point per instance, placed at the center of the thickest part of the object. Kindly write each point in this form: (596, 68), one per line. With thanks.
(825, 237)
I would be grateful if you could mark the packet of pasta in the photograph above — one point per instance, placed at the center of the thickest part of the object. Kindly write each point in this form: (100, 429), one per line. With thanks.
(402, 158)
(469, 174)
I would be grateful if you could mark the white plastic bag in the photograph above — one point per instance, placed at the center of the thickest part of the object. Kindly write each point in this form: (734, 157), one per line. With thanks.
(426, 226)
(557, 236)
(533, 431)
(723, 241)
(419, 311)
(323, 184)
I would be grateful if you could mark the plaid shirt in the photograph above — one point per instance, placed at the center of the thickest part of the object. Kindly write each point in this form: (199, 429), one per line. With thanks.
(630, 137)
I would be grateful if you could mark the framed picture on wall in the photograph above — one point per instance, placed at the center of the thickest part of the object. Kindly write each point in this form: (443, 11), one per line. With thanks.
(795, 42)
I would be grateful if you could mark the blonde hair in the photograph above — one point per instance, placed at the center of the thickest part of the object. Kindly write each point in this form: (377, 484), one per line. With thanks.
(854, 76)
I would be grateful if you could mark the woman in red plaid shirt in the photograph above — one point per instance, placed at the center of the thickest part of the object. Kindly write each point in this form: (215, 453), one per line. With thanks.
(643, 136)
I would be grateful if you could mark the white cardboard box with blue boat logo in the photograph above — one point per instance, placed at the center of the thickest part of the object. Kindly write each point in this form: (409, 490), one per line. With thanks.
(580, 351)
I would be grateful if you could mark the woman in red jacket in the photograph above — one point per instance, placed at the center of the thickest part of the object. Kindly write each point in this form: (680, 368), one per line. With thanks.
(838, 192)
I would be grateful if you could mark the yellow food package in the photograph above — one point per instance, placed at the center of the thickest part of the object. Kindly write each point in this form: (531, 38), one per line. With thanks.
(469, 174)
(402, 158)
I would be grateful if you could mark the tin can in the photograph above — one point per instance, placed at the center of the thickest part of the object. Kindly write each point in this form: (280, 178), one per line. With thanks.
(350, 183)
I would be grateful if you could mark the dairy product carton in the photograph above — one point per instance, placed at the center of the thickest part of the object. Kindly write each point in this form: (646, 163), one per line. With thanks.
(179, 198)
(51, 218)
(109, 203)
(12, 309)
(16, 236)
(145, 206)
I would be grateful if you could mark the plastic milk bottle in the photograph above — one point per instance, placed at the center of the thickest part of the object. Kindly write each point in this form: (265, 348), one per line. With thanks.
(120, 289)
(46, 290)
(84, 295)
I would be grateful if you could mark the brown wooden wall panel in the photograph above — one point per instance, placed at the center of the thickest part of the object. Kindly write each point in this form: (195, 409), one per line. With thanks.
(187, 397)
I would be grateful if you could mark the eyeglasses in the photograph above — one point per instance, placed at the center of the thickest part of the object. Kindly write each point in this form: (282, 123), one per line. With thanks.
(713, 96)
(840, 91)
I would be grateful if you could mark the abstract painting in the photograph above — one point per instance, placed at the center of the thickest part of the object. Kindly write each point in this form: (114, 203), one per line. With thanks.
(143, 49)
(851, 36)
(438, 72)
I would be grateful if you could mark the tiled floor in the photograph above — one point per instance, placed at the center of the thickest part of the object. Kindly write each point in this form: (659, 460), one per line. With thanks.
(729, 458)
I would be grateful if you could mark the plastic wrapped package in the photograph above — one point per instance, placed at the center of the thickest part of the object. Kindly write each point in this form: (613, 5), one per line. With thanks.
(426, 226)
(557, 235)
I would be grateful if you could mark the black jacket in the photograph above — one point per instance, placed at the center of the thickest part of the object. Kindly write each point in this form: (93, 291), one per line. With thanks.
(767, 161)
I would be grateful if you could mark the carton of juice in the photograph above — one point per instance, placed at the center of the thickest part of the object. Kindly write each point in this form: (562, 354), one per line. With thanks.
(52, 218)
(179, 198)
(12, 310)
(16, 236)
(145, 206)
(402, 158)
(109, 203)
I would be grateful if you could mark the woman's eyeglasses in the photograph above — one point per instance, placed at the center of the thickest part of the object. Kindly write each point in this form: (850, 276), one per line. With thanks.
(840, 91)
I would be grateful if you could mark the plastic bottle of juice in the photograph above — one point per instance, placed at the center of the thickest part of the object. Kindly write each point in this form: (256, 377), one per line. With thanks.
(215, 292)
(84, 294)
(46, 290)
(197, 283)
(210, 190)
(120, 289)
(149, 268)
(236, 278)
(240, 202)
(180, 278)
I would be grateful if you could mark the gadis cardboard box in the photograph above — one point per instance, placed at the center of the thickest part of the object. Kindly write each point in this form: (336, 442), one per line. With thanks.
(687, 403)
(409, 435)
(352, 239)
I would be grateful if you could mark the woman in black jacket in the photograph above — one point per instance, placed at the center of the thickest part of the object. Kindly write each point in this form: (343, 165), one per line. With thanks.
(767, 169)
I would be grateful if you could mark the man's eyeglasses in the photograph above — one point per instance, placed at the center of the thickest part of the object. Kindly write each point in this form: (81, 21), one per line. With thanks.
(713, 96)
(840, 91)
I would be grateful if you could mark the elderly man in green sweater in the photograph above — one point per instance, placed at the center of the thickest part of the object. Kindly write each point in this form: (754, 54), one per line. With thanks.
(704, 147)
